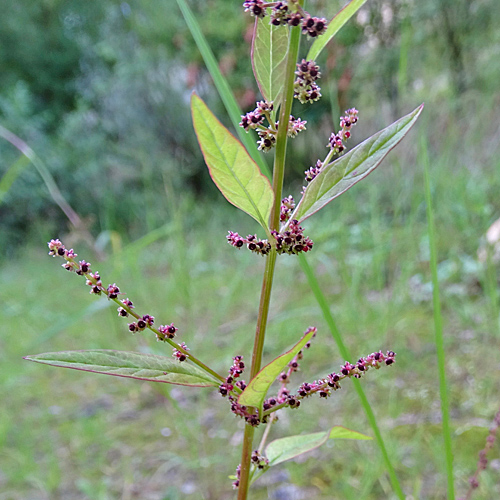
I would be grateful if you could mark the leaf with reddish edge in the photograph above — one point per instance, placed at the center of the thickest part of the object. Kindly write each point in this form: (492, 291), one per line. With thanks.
(255, 392)
(283, 449)
(269, 49)
(340, 175)
(333, 27)
(232, 169)
(129, 364)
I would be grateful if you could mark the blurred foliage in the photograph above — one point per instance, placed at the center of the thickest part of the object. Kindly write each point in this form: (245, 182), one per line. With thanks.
(100, 90)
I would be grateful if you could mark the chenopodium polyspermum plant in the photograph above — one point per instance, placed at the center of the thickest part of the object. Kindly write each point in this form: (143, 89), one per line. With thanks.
(281, 78)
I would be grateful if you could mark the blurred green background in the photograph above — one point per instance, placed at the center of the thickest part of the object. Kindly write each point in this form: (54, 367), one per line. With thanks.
(100, 92)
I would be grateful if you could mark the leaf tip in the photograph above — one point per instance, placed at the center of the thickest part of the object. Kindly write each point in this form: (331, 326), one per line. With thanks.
(194, 96)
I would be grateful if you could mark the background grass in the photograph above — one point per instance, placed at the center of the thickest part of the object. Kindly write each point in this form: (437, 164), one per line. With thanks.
(70, 435)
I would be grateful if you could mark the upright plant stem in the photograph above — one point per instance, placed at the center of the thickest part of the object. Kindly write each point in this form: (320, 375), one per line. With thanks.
(438, 325)
(265, 297)
(285, 110)
(344, 351)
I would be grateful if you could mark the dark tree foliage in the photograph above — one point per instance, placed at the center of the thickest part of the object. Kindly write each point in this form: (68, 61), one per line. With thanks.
(100, 91)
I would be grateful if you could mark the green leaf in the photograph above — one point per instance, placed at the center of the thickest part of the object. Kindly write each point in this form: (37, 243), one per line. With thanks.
(333, 27)
(340, 432)
(129, 364)
(234, 172)
(255, 392)
(340, 175)
(283, 449)
(269, 49)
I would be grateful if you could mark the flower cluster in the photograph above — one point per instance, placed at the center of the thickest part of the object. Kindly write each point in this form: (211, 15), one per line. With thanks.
(287, 13)
(181, 354)
(259, 461)
(267, 135)
(335, 143)
(254, 244)
(267, 139)
(168, 331)
(286, 209)
(280, 14)
(231, 387)
(141, 324)
(238, 474)
(314, 26)
(126, 306)
(305, 87)
(322, 387)
(312, 172)
(295, 125)
(234, 372)
(256, 117)
(256, 8)
(292, 241)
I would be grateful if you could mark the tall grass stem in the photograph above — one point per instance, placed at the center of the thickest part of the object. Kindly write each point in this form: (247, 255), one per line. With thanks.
(344, 351)
(222, 86)
(438, 323)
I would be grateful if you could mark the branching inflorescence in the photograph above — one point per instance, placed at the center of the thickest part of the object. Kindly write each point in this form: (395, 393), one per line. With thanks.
(284, 397)
(232, 386)
(292, 241)
(164, 333)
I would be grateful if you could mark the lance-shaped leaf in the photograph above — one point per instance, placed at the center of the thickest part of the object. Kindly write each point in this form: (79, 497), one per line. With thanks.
(232, 169)
(255, 392)
(283, 449)
(269, 49)
(340, 175)
(333, 27)
(128, 364)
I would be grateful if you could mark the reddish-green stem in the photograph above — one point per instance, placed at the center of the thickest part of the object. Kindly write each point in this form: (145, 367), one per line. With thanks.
(278, 175)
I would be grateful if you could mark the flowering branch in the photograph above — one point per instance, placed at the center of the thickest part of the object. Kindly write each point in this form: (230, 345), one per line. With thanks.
(165, 333)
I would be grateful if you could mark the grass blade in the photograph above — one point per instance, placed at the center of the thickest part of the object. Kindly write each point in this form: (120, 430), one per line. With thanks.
(438, 324)
(327, 314)
(222, 86)
(11, 175)
(45, 174)
(333, 27)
